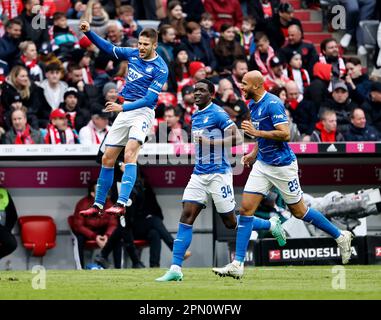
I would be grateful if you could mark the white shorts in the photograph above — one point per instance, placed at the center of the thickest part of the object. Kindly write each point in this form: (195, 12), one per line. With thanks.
(218, 185)
(134, 124)
(263, 177)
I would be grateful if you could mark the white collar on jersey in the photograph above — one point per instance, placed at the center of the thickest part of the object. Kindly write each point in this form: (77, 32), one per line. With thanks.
(152, 58)
(205, 107)
(256, 102)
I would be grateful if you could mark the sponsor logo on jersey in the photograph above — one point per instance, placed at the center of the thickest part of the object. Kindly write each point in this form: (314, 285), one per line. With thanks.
(133, 75)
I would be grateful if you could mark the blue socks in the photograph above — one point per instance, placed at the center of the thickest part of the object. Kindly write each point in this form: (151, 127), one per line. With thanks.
(261, 224)
(181, 243)
(128, 182)
(104, 183)
(244, 229)
(320, 221)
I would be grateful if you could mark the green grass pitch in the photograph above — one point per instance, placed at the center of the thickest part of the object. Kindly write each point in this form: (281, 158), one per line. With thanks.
(306, 282)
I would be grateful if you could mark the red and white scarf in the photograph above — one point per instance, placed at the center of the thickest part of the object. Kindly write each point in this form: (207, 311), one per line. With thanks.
(53, 136)
(96, 135)
(33, 67)
(304, 73)
(264, 68)
(24, 137)
(342, 68)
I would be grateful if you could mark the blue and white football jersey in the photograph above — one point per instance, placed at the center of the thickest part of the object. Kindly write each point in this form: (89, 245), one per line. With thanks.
(142, 75)
(265, 115)
(210, 122)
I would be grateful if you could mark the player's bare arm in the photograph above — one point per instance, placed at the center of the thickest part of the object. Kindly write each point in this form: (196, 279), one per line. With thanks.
(249, 158)
(281, 132)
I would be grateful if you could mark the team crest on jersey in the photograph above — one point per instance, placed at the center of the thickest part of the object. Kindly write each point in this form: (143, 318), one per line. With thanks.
(149, 69)
(133, 75)
(259, 112)
(256, 125)
(206, 119)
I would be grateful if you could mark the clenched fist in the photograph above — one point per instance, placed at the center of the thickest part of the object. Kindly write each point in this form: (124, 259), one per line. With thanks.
(84, 26)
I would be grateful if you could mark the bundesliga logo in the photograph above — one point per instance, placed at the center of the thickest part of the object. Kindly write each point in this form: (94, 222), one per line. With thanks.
(308, 253)
(377, 251)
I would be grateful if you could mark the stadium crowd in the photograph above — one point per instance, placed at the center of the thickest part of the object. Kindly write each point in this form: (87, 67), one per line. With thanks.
(55, 82)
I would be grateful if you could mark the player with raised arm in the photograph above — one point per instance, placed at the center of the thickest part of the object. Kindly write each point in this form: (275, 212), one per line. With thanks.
(212, 132)
(147, 73)
(275, 165)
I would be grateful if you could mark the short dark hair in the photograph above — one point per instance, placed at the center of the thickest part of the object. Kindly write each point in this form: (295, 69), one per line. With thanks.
(354, 60)
(250, 19)
(149, 33)
(323, 44)
(73, 66)
(259, 36)
(13, 21)
(58, 15)
(206, 16)
(164, 29)
(53, 67)
(235, 62)
(176, 110)
(192, 26)
(210, 85)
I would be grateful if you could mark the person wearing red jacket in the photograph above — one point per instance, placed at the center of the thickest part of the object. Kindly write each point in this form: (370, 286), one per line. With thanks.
(225, 12)
(98, 228)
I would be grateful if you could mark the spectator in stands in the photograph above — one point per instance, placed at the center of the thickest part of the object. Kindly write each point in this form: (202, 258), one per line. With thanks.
(247, 36)
(277, 28)
(120, 75)
(97, 228)
(9, 42)
(178, 70)
(8, 219)
(263, 54)
(187, 104)
(302, 111)
(281, 93)
(29, 59)
(11, 8)
(167, 37)
(356, 11)
(131, 28)
(58, 131)
(295, 43)
(372, 106)
(227, 50)
(175, 18)
(148, 219)
(19, 84)
(318, 91)
(110, 93)
(83, 59)
(53, 87)
(97, 128)
(296, 72)
(225, 12)
(198, 47)
(97, 16)
(277, 76)
(342, 104)
(171, 130)
(79, 7)
(230, 102)
(240, 68)
(21, 132)
(77, 116)
(193, 9)
(359, 130)
(326, 128)
(207, 29)
(357, 81)
(27, 16)
(87, 94)
(330, 54)
(62, 38)
(16, 104)
(115, 34)
(262, 10)
(103, 65)
(295, 135)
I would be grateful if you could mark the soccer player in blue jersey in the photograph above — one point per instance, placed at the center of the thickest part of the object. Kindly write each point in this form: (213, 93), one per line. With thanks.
(212, 130)
(147, 73)
(275, 165)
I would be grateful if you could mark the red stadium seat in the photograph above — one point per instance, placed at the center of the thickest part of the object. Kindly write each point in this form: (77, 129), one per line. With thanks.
(38, 234)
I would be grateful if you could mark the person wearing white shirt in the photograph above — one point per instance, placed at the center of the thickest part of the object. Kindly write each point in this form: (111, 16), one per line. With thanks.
(97, 128)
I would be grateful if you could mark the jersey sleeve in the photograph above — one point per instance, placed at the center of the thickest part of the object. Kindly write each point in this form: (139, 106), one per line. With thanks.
(159, 80)
(277, 113)
(123, 53)
(223, 120)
